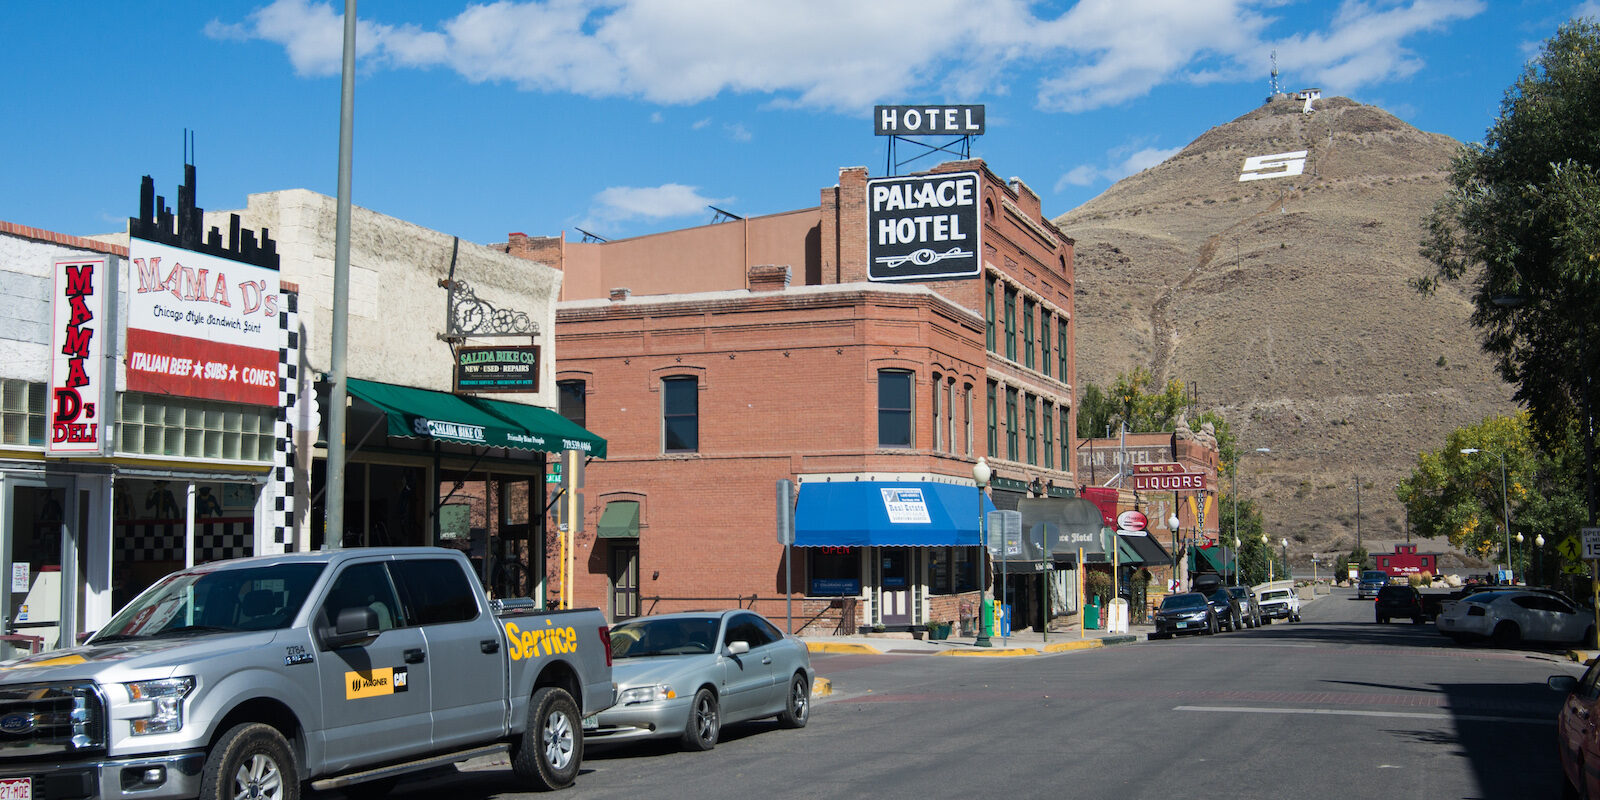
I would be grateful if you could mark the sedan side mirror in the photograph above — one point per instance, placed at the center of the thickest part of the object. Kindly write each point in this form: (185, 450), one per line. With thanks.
(1562, 683)
(738, 648)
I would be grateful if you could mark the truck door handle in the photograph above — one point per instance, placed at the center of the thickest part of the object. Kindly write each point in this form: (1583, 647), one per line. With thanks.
(415, 656)
(489, 645)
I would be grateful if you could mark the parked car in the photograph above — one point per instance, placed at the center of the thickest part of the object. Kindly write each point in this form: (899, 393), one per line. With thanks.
(1575, 731)
(1511, 616)
(686, 675)
(1227, 608)
(1398, 601)
(1249, 609)
(1371, 581)
(1190, 612)
(1278, 601)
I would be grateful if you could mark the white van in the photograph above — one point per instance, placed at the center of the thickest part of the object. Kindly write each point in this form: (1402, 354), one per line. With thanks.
(1278, 600)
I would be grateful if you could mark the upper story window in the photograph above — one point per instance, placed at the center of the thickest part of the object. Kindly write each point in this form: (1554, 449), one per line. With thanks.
(1011, 324)
(680, 414)
(1044, 341)
(571, 401)
(938, 413)
(994, 427)
(1027, 333)
(1047, 415)
(1011, 423)
(988, 313)
(966, 396)
(1029, 430)
(1066, 448)
(1061, 350)
(894, 408)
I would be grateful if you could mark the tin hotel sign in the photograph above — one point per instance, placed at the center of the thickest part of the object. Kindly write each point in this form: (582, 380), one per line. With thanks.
(201, 326)
(84, 290)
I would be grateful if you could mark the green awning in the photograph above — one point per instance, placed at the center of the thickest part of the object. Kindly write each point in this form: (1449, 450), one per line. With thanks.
(1213, 556)
(427, 414)
(620, 520)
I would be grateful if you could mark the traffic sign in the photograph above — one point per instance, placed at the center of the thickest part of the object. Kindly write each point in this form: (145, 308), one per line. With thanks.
(1591, 543)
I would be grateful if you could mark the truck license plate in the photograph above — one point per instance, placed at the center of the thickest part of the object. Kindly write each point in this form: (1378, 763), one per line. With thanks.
(16, 789)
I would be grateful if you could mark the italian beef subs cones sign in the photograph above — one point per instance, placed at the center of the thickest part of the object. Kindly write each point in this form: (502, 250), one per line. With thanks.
(201, 326)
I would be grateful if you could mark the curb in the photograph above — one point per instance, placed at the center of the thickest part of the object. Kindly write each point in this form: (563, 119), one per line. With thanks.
(1582, 656)
(998, 652)
(821, 687)
(842, 647)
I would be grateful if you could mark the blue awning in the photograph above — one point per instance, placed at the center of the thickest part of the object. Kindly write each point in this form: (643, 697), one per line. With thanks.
(883, 514)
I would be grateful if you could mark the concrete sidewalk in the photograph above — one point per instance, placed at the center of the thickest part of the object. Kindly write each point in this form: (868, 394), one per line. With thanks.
(1022, 643)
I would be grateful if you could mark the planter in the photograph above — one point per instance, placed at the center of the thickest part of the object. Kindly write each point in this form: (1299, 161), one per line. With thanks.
(939, 630)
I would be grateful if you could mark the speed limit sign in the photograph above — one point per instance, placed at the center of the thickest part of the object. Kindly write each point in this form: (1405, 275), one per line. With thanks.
(1591, 543)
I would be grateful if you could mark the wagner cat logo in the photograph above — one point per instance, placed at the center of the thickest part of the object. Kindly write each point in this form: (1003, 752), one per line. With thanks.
(374, 683)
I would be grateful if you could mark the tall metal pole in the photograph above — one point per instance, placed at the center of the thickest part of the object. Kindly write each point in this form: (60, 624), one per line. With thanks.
(1358, 522)
(1505, 508)
(980, 478)
(333, 527)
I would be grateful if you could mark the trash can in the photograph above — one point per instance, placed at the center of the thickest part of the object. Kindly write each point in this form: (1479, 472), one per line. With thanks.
(1091, 614)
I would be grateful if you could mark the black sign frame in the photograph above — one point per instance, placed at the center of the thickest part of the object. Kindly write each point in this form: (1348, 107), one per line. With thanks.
(481, 370)
(938, 247)
(934, 120)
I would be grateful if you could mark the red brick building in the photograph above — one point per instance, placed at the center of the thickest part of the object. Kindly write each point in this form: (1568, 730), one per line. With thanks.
(720, 360)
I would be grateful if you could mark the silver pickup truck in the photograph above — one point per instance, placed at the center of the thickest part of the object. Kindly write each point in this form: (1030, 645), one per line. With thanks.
(345, 669)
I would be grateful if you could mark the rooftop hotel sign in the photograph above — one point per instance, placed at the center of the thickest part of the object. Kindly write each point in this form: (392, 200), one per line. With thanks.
(927, 120)
(924, 227)
(201, 326)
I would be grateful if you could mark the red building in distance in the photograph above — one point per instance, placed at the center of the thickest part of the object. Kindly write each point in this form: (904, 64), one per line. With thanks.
(1405, 561)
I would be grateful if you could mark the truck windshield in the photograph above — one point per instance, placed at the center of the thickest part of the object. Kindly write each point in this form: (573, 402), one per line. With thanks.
(210, 601)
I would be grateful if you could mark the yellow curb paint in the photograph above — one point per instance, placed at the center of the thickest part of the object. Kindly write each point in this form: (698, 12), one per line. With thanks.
(1581, 656)
(1067, 647)
(822, 687)
(842, 647)
(1007, 651)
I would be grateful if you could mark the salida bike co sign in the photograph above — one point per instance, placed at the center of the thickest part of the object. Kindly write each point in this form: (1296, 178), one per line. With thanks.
(924, 227)
(497, 369)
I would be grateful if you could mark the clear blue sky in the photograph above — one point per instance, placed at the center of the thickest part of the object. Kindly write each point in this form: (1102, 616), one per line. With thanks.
(630, 116)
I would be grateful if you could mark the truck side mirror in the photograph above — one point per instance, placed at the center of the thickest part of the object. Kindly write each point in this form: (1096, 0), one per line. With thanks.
(354, 626)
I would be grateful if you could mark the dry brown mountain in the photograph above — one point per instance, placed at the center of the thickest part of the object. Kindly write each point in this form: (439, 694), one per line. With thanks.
(1286, 301)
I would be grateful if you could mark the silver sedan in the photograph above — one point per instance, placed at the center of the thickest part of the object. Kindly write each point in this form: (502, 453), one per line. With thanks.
(686, 675)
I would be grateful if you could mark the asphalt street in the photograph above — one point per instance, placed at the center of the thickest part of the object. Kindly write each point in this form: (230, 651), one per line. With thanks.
(1333, 706)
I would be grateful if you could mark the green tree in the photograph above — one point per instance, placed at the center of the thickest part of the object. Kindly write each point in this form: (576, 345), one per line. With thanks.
(1133, 398)
(1522, 222)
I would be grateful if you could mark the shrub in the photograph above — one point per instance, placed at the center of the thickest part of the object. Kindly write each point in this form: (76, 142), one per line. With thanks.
(1097, 584)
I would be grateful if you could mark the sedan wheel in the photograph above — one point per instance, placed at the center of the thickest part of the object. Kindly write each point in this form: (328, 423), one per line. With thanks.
(705, 723)
(798, 710)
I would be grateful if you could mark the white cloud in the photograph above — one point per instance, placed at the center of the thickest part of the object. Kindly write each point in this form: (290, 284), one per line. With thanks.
(737, 132)
(1588, 9)
(620, 204)
(1122, 161)
(700, 124)
(846, 54)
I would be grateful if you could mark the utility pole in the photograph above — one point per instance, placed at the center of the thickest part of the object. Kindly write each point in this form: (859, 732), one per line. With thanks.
(1358, 518)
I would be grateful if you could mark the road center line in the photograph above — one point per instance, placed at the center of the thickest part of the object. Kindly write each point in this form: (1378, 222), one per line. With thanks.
(1355, 713)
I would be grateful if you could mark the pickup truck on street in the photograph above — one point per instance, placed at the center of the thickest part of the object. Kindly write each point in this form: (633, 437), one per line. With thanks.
(336, 669)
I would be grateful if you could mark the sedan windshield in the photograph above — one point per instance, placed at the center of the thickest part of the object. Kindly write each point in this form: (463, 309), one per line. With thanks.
(213, 601)
(1181, 602)
(666, 636)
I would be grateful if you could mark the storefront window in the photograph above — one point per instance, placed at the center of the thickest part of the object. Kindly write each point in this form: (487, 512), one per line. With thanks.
(834, 571)
(952, 570)
(151, 523)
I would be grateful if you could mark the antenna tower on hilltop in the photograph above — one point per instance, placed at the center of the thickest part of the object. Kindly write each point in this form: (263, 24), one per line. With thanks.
(1274, 75)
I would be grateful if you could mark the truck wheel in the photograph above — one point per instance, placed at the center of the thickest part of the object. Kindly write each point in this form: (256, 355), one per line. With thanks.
(704, 722)
(250, 760)
(797, 709)
(550, 749)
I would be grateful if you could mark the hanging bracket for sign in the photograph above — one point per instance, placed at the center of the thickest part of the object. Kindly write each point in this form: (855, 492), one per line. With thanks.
(471, 316)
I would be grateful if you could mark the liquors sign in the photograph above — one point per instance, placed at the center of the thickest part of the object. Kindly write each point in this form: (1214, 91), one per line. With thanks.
(924, 227)
(84, 288)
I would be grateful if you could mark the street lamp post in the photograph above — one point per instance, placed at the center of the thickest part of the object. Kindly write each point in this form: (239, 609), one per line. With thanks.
(1505, 502)
(980, 476)
(1538, 552)
(1265, 545)
(1524, 561)
(1172, 525)
(1286, 573)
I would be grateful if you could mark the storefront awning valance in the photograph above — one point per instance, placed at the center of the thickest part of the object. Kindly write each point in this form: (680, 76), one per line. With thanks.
(620, 520)
(884, 514)
(427, 414)
(1213, 559)
(1150, 551)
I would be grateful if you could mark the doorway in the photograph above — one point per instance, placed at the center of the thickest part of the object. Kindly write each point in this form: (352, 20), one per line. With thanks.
(40, 550)
(896, 568)
(624, 578)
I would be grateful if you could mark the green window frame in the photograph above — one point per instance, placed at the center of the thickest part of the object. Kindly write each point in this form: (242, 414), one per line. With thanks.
(1011, 324)
(1029, 430)
(994, 428)
(1061, 350)
(1044, 341)
(1027, 333)
(988, 313)
(1048, 415)
(1011, 423)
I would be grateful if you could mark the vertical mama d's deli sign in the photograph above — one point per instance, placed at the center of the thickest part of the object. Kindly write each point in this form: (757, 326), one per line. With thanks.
(79, 377)
(924, 227)
(201, 326)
